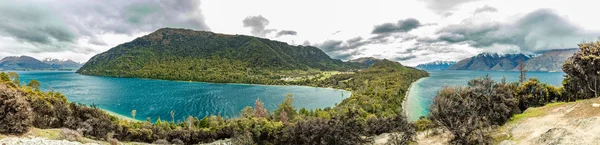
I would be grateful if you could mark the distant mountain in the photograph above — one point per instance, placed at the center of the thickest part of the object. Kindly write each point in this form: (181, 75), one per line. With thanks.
(550, 60)
(182, 54)
(22, 63)
(364, 62)
(491, 61)
(62, 63)
(436, 65)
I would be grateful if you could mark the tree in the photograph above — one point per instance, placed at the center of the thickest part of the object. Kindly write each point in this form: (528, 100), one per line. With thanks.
(172, 116)
(259, 109)
(283, 117)
(34, 84)
(522, 70)
(133, 112)
(583, 80)
(287, 107)
(4, 77)
(15, 78)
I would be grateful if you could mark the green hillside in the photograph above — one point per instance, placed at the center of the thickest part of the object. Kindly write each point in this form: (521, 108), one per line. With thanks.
(181, 54)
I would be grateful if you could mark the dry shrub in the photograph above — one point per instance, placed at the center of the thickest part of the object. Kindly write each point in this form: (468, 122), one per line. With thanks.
(15, 114)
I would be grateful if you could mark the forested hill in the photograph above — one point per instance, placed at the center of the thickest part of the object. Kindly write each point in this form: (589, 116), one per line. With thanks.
(181, 54)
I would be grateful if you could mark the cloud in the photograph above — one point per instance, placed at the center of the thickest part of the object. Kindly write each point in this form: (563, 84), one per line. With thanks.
(405, 58)
(285, 32)
(343, 49)
(60, 26)
(485, 8)
(442, 6)
(538, 30)
(400, 26)
(258, 25)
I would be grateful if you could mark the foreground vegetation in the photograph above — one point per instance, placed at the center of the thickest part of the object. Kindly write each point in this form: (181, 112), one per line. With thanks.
(373, 109)
(471, 112)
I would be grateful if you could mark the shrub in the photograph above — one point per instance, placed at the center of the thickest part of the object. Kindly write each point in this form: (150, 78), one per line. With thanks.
(467, 112)
(161, 142)
(15, 117)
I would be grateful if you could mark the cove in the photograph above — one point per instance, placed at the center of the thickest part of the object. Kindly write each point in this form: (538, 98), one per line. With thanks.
(422, 92)
(156, 98)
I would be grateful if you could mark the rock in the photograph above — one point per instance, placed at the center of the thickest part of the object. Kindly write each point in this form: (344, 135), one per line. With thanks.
(558, 136)
(37, 141)
(596, 105)
(507, 142)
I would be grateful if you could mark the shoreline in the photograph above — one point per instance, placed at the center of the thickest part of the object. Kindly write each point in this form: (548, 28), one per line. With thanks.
(121, 117)
(405, 109)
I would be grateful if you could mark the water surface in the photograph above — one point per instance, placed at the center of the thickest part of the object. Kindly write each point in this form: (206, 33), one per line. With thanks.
(154, 98)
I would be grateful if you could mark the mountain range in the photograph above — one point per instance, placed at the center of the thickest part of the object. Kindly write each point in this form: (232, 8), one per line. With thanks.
(436, 65)
(491, 61)
(551, 61)
(30, 63)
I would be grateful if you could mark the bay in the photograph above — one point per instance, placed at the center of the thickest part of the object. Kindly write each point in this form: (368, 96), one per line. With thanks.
(422, 92)
(156, 98)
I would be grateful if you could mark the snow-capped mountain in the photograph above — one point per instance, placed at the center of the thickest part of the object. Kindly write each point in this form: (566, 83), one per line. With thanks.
(436, 65)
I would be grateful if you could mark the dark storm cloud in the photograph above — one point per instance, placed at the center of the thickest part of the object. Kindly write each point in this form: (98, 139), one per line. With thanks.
(343, 49)
(285, 32)
(56, 26)
(485, 8)
(400, 26)
(541, 29)
(258, 25)
(442, 6)
(405, 58)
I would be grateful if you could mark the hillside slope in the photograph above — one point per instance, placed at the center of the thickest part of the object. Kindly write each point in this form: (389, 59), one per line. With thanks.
(549, 61)
(558, 123)
(181, 54)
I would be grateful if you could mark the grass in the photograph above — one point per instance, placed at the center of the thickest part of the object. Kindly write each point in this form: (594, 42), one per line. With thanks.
(532, 112)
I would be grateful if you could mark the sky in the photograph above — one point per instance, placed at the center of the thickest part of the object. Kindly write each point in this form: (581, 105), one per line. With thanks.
(408, 31)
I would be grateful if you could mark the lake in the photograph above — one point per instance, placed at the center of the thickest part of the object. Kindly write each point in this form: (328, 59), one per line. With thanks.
(154, 98)
(424, 90)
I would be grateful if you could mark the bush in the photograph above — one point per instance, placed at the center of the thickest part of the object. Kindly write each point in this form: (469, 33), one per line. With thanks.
(467, 112)
(161, 142)
(15, 117)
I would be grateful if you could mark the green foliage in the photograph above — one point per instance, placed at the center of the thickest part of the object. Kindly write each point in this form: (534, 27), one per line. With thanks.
(34, 84)
(379, 89)
(247, 112)
(287, 107)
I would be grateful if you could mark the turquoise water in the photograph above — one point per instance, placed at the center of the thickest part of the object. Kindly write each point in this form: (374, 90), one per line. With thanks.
(154, 98)
(424, 90)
